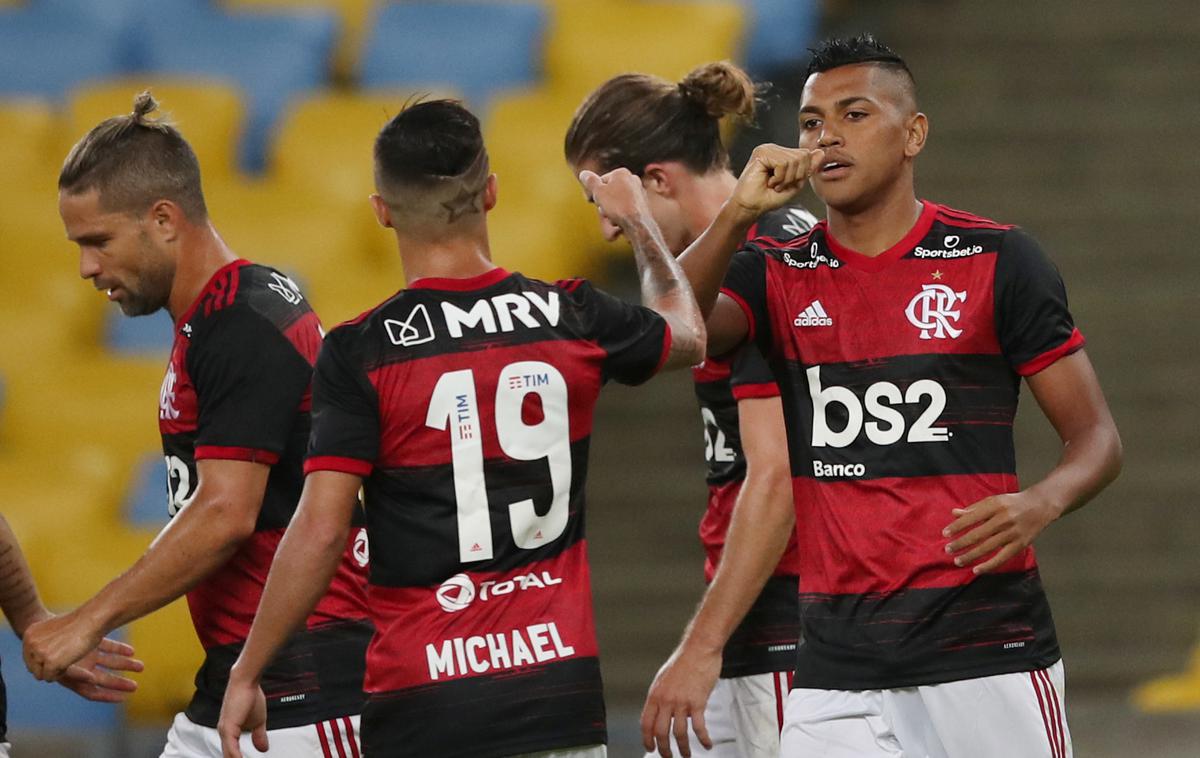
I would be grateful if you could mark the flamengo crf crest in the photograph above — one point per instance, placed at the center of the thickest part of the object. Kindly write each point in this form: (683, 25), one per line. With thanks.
(417, 329)
(933, 311)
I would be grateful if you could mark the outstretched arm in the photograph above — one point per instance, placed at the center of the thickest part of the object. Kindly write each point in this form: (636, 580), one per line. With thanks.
(771, 178)
(300, 574)
(201, 538)
(763, 519)
(999, 527)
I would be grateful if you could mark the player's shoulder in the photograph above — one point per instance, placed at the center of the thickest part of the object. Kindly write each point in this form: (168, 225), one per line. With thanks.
(953, 228)
(784, 223)
(245, 293)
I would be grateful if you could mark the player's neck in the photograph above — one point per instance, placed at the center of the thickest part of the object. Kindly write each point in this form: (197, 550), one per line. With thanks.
(709, 193)
(877, 228)
(202, 253)
(455, 257)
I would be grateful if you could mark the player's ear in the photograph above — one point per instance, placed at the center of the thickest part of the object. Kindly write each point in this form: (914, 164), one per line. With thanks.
(918, 131)
(383, 214)
(489, 193)
(165, 217)
(657, 179)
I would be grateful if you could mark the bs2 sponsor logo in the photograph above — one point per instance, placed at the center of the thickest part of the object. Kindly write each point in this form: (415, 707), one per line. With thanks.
(875, 415)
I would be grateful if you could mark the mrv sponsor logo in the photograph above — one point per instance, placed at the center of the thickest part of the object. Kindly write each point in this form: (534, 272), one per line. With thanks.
(482, 653)
(458, 592)
(506, 312)
(875, 414)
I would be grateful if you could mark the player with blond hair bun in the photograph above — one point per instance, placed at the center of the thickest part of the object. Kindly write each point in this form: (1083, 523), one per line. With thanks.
(669, 134)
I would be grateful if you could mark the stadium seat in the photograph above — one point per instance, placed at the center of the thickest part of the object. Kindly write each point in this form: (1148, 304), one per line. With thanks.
(40, 56)
(30, 150)
(146, 337)
(270, 57)
(477, 48)
(209, 113)
(780, 33)
(353, 16)
(145, 505)
(590, 42)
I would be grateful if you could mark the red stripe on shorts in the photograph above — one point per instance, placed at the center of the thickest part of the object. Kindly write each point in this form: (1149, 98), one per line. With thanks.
(778, 699)
(1059, 716)
(324, 742)
(1042, 706)
(351, 739)
(337, 738)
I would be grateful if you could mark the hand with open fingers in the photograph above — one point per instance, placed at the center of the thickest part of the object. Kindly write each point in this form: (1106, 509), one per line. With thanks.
(53, 645)
(243, 710)
(618, 195)
(773, 176)
(992, 531)
(93, 676)
(678, 695)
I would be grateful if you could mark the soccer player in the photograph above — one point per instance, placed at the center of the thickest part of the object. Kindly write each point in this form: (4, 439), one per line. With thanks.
(463, 404)
(234, 416)
(669, 135)
(93, 677)
(926, 630)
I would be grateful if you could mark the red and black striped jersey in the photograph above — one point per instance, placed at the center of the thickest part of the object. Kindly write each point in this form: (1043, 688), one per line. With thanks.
(237, 387)
(766, 640)
(466, 404)
(899, 376)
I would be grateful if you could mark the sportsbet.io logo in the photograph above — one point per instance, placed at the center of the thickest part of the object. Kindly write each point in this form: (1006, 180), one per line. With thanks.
(456, 593)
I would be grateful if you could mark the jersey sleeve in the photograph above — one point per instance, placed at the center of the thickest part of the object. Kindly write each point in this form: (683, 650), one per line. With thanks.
(1033, 324)
(345, 422)
(636, 340)
(750, 376)
(250, 381)
(784, 223)
(746, 285)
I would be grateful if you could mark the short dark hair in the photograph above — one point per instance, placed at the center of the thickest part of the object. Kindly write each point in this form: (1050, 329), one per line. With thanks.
(135, 160)
(633, 120)
(836, 52)
(429, 140)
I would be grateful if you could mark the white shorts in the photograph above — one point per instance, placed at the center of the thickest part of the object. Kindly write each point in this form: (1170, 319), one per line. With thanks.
(337, 738)
(1000, 716)
(4, 748)
(743, 717)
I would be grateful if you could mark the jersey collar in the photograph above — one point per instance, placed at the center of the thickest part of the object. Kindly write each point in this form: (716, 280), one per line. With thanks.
(486, 279)
(873, 263)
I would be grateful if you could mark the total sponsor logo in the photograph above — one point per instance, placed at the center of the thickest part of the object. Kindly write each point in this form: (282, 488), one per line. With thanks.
(481, 653)
(949, 249)
(458, 592)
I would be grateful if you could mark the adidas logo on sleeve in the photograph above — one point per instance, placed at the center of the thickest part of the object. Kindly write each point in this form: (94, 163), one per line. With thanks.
(813, 315)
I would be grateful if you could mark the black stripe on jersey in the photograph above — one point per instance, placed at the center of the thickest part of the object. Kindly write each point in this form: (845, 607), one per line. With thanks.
(411, 528)
(979, 393)
(1000, 623)
(552, 707)
(766, 639)
(316, 676)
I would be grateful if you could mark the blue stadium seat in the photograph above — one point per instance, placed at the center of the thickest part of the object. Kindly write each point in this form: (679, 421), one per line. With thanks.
(146, 504)
(145, 336)
(38, 706)
(781, 32)
(42, 57)
(270, 57)
(475, 48)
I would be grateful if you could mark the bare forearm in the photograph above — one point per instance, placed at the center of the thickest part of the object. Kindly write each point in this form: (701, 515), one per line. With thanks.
(18, 594)
(300, 574)
(763, 521)
(1089, 463)
(666, 290)
(197, 542)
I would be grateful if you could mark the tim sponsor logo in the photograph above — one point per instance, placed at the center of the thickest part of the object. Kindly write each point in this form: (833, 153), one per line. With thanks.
(479, 654)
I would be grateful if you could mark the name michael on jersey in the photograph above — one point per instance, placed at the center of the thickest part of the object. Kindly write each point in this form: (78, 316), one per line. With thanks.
(479, 654)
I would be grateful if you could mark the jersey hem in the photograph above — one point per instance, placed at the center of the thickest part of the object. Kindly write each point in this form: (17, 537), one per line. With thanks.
(753, 391)
(741, 302)
(1073, 344)
(807, 680)
(232, 453)
(353, 466)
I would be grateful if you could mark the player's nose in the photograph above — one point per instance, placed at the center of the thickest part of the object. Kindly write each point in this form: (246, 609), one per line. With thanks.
(89, 264)
(830, 137)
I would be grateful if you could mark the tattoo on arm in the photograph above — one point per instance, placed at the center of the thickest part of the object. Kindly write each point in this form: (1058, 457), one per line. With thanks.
(18, 594)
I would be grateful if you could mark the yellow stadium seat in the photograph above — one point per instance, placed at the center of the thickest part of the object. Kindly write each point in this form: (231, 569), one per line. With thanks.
(353, 18)
(332, 248)
(208, 113)
(593, 41)
(166, 642)
(29, 151)
(542, 218)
